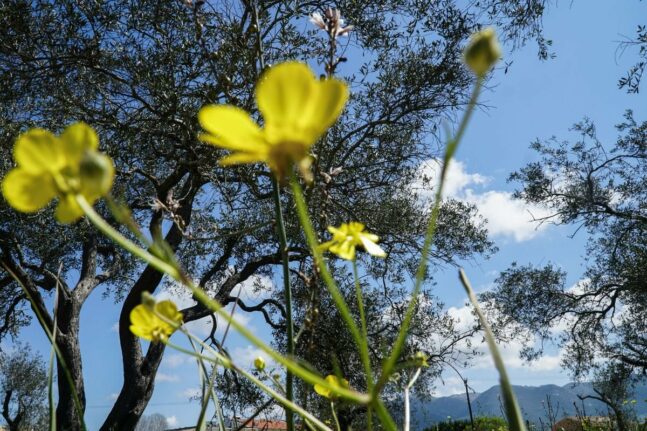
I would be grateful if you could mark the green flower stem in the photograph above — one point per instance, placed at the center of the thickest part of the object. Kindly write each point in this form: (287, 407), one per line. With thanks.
(265, 388)
(216, 402)
(512, 410)
(213, 305)
(362, 319)
(340, 303)
(283, 244)
(383, 414)
(334, 416)
(407, 408)
(450, 150)
(50, 373)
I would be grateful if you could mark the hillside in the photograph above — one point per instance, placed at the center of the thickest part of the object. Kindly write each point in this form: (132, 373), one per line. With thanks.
(532, 399)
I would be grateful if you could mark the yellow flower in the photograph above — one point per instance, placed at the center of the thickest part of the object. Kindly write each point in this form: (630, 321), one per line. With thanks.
(50, 166)
(482, 51)
(145, 320)
(335, 382)
(297, 109)
(347, 237)
(259, 363)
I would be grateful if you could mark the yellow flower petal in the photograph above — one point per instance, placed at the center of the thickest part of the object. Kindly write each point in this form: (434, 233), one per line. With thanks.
(371, 248)
(330, 102)
(168, 309)
(324, 392)
(76, 139)
(68, 211)
(333, 381)
(28, 192)
(38, 150)
(284, 96)
(232, 128)
(241, 158)
(296, 106)
(142, 321)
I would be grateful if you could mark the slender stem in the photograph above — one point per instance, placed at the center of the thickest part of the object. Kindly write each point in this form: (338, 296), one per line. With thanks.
(283, 244)
(512, 410)
(450, 150)
(337, 297)
(367, 364)
(334, 416)
(212, 392)
(407, 388)
(214, 305)
(124, 242)
(267, 389)
(66, 371)
(383, 414)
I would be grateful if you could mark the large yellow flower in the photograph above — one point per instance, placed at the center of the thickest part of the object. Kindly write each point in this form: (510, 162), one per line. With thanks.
(347, 237)
(145, 320)
(335, 382)
(49, 166)
(297, 109)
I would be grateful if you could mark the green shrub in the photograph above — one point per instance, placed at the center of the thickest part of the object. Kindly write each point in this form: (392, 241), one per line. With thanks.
(485, 423)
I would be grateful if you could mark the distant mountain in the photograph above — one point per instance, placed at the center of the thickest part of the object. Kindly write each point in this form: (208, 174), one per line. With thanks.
(533, 401)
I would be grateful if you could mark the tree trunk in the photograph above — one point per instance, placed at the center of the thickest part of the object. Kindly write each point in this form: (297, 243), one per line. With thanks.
(135, 395)
(139, 370)
(67, 340)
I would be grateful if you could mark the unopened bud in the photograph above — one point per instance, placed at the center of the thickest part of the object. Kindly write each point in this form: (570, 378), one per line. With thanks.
(482, 51)
(97, 173)
(259, 363)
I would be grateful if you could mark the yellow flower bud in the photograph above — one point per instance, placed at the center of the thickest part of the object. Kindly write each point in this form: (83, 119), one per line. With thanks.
(97, 173)
(482, 51)
(259, 363)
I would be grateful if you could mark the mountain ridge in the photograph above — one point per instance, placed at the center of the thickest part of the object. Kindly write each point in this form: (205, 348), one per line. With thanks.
(533, 400)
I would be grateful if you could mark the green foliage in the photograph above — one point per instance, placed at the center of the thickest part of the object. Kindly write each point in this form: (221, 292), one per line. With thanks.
(601, 189)
(482, 423)
(23, 389)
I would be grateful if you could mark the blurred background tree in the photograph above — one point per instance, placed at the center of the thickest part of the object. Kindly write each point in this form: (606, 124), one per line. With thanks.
(23, 389)
(154, 422)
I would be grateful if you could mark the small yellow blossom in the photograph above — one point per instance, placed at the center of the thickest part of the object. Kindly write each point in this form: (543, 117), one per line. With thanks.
(482, 51)
(347, 237)
(335, 382)
(297, 109)
(259, 363)
(50, 166)
(145, 320)
(420, 360)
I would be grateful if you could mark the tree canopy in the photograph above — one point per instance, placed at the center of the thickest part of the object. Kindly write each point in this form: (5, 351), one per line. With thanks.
(23, 388)
(602, 189)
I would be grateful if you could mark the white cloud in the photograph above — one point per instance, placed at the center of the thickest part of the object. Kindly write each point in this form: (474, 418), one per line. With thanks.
(450, 385)
(174, 360)
(506, 217)
(190, 393)
(163, 377)
(113, 396)
(115, 327)
(171, 421)
(510, 352)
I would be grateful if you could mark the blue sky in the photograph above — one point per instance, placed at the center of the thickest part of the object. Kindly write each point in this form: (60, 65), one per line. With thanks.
(533, 100)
